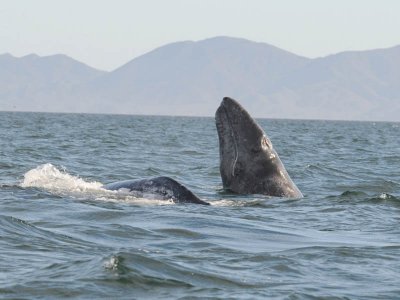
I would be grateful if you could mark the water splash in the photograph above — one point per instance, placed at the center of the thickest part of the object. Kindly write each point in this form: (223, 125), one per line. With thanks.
(58, 182)
(50, 178)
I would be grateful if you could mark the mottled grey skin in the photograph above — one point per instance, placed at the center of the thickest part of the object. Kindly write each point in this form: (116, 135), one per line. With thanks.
(163, 188)
(248, 162)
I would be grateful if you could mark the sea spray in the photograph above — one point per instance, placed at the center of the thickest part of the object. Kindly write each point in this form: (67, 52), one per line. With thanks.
(50, 178)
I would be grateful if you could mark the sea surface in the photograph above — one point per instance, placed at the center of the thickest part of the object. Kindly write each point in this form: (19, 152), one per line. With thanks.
(63, 236)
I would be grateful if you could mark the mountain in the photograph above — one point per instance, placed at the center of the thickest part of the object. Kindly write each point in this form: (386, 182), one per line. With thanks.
(36, 83)
(362, 85)
(190, 78)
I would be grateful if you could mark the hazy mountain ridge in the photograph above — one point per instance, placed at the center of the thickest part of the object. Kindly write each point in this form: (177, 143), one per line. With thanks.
(190, 78)
(36, 83)
(350, 85)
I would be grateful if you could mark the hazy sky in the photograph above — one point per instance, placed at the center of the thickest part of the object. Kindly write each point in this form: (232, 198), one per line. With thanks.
(106, 34)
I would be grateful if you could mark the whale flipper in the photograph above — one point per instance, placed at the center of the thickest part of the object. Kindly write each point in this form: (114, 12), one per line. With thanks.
(163, 188)
(248, 162)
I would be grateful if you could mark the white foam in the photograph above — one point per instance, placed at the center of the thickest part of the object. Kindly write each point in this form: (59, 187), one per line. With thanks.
(112, 263)
(231, 203)
(50, 178)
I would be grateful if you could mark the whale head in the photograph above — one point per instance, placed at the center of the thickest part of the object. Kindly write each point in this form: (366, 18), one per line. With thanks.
(248, 162)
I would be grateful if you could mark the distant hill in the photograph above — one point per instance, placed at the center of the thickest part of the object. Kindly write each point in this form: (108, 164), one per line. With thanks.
(190, 78)
(362, 85)
(34, 83)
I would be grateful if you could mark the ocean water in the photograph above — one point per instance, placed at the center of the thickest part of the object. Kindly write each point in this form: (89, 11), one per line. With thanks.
(63, 236)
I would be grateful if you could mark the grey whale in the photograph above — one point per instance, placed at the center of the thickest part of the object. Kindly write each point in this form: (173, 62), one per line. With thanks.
(248, 163)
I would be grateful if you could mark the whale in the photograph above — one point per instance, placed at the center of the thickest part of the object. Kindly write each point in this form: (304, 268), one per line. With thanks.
(157, 188)
(249, 163)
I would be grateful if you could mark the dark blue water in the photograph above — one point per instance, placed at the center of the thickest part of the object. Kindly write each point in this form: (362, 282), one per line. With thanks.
(62, 236)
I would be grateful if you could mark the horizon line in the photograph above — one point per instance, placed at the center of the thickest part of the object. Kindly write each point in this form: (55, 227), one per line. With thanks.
(192, 116)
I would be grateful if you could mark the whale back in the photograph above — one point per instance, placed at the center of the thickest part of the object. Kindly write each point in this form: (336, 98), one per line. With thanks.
(162, 188)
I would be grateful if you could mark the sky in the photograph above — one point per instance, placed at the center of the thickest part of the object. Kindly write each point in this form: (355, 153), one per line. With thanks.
(106, 34)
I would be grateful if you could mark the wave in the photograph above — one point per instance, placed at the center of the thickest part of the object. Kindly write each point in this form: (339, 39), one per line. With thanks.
(142, 269)
(15, 231)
